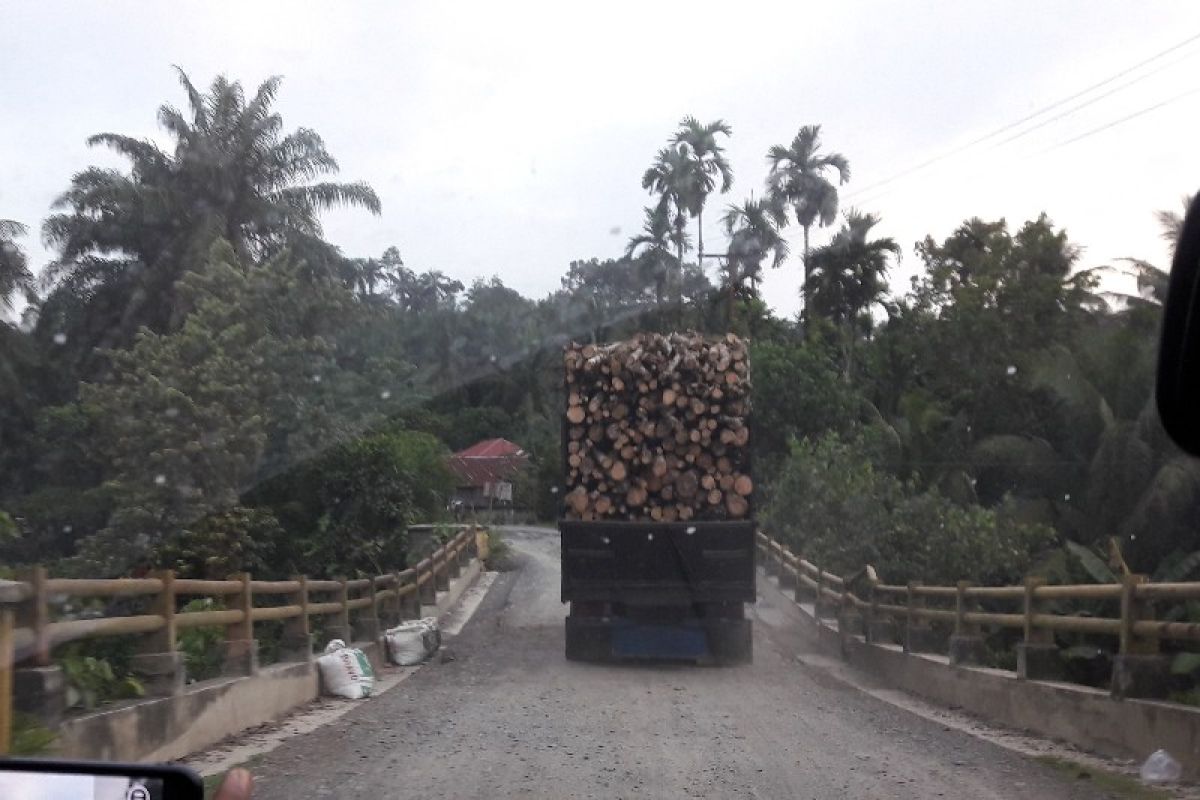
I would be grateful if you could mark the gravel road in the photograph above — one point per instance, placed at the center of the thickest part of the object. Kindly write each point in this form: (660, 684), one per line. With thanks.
(509, 717)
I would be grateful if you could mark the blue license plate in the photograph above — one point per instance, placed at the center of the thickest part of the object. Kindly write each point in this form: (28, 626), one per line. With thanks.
(659, 641)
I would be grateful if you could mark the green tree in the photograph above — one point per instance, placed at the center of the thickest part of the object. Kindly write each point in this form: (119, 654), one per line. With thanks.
(798, 177)
(698, 143)
(124, 239)
(848, 276)
(753, 231)
(14, 267)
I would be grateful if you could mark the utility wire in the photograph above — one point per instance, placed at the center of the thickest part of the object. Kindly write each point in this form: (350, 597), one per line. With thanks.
(1125, 118)
(1023, 120)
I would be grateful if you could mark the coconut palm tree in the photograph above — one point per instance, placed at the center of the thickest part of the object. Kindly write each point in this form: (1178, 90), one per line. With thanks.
(698, 143)
(232, 173)
(672, 177)
(14, 268)
(848, 276)
(753, 230)
(651, 249)
(798, 177)
(1171, 222)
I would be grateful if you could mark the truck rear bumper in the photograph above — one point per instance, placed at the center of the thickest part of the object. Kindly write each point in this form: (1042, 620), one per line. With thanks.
(701, 641)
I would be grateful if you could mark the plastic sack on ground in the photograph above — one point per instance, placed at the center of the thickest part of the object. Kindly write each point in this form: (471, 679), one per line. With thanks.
(407, 643)
(345, 671)
(1160, 767)
(434, 632)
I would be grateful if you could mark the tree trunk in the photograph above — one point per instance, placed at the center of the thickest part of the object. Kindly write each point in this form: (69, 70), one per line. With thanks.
(700, 238)
(804, 289)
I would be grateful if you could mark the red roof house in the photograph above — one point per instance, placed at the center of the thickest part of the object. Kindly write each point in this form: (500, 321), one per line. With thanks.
(486, 470)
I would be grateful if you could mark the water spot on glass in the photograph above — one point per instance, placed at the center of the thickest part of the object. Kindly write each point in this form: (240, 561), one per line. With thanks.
(1011, 370)
(492, 359)
(690, 530)
(160, 480)
(316, 378)
(1132, 536)
(649, 537)
(171, 413)
(1067, 496)
(68, 528)
(60, 338)
(553, 490)
(605, 539)
(385, 394)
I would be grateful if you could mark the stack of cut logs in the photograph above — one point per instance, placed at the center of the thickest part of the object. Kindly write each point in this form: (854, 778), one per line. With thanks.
(656, 429)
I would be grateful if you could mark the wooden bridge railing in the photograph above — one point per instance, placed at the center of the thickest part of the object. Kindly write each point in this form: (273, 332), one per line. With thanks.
(353, 609)
(907, 615)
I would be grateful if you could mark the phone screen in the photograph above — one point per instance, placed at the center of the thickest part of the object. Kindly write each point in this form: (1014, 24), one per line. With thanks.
(67, 786)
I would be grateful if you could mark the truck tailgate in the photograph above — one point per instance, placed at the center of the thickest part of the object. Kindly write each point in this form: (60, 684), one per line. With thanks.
(650, 563)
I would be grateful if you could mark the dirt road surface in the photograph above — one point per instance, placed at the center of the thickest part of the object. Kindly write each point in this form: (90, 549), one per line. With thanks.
(509, 717)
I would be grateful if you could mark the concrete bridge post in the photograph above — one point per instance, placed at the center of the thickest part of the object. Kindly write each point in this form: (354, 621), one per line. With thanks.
(1038, 658)
(158, 663)
(919, 634)
(1139, 669)
(966, 643)
(297, 637)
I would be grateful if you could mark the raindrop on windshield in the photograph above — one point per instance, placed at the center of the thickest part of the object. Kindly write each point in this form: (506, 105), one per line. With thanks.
(1011, 370)
(316, 378)
(553, 490)
(1067, 496)
(690, 530)
(385, 394)
(605, 539)
(68, 528)
(60, 338)
(160, 480)
(649, 537)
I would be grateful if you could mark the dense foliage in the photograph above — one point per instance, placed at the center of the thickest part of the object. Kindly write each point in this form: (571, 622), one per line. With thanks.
(204, 383)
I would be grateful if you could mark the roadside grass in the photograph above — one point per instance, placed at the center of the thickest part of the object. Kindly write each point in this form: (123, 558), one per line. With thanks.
(1113, 784)
(500, 554)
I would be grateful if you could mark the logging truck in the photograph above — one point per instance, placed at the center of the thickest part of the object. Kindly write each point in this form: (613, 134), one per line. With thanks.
(657, 522)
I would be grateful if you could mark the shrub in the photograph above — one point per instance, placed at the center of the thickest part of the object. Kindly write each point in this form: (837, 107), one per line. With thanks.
(831, 503)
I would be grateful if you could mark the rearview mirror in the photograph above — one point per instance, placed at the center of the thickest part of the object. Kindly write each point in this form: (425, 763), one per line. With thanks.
(1178, 389)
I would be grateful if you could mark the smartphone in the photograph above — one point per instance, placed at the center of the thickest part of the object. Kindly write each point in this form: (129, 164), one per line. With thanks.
(52, 779)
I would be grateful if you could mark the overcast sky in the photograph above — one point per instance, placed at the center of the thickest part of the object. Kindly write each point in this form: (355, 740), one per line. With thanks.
(509, 138)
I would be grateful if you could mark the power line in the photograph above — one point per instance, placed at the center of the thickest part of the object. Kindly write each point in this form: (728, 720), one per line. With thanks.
(1023, 120)
(1095, 99)
(1126, 118)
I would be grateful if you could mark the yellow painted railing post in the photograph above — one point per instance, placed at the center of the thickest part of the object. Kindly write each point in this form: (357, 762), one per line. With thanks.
(482, 544)
(159, 663)
(1138, 669)
(1037, 656)
(297, 636)
(34, 613)
(241, 650)
(6, 681)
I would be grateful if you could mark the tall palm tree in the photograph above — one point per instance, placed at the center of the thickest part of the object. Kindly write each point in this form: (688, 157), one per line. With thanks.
(798, 177)
(699, 145)
(1171, 222)
(231, 173)
(651, 249)
(848, 276)
(753, 230)
(671, 177)
(14, 268)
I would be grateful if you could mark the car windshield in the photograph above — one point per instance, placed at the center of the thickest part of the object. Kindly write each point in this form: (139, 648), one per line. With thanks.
(793, 339)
